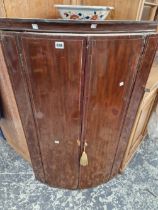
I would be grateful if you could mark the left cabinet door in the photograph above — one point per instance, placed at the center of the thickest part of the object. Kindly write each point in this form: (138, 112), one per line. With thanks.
(53, 70)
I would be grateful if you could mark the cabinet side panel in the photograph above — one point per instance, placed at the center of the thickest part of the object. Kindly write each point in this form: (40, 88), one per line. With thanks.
(12, 58)
(11, 123)
(136, 97)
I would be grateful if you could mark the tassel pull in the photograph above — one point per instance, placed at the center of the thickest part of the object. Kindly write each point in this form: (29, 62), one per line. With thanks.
(84, 157)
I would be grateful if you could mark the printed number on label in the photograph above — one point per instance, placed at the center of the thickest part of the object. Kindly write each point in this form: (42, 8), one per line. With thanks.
(59, 45)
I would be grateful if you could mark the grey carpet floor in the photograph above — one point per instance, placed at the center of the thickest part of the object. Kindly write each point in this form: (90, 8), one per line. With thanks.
(136, 189)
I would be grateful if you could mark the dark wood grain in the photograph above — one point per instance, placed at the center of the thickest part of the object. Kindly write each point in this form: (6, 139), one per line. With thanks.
(12, 58)
(11, 123)
(69, 26)
(112, 60)
(136, 97)
(54, 77)
(73, 93)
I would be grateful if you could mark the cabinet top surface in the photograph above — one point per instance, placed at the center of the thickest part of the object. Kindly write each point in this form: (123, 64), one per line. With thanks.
(73, 26)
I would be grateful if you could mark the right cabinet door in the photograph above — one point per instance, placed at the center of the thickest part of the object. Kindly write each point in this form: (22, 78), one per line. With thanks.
(110, 74)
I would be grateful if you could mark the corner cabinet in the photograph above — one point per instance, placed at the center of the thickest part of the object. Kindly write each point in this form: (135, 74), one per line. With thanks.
(77, 88)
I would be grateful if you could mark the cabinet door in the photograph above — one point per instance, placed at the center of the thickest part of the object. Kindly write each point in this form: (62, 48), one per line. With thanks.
(110, 76)
(11, 122)
(53, 68)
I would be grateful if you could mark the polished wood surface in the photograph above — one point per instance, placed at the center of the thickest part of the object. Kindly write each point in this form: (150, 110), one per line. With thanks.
(136, 97)
(72, 26)
(109, 81)
(11, 122)
(14, 66)
(88, 89)
(54, 77)
(139, 130)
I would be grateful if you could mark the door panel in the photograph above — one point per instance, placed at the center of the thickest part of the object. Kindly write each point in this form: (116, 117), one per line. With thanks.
(20, 90)
(151, 43)
(11, 122)
(54, 77)
(111, 72)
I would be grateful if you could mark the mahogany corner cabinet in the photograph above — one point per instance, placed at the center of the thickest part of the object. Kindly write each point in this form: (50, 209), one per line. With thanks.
(77, 87)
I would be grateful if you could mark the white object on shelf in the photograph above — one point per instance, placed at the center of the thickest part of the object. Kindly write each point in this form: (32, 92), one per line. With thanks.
(77, 12)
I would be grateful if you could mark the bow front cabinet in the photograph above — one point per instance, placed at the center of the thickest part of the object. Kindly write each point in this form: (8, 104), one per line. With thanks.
(77, 84)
